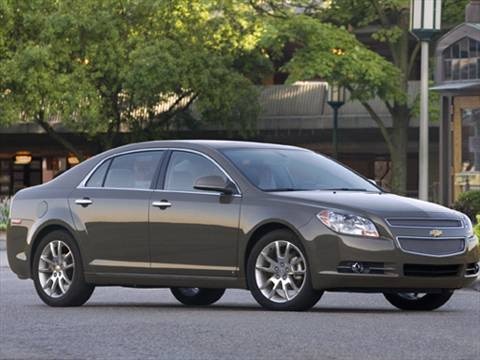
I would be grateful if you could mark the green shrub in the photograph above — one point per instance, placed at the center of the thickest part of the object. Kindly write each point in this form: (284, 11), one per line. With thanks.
(476, 228)
(4, 209)
(469, 204)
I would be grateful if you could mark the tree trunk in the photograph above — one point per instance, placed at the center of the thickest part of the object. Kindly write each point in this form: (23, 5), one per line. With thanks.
(399, 153)
(58, 137)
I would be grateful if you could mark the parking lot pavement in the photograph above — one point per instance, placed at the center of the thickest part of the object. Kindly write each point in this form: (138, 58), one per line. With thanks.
(119, 323)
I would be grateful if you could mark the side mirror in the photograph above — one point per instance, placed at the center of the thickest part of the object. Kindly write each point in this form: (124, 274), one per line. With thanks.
(214, 183)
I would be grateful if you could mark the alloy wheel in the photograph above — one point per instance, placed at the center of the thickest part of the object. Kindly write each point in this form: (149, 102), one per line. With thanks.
(56, 268)
(411, 296)
(189, 291)
(280, 271)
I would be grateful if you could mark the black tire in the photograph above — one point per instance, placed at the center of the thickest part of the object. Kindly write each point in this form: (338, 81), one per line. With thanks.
(305, 299)
(78, 291)
(197, 296)
(426, 302)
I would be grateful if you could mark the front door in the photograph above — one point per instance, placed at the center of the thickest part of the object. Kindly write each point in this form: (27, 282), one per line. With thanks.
(111, 212)
(193, 232)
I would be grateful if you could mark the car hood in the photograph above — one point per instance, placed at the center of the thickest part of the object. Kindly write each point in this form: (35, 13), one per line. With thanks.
(380, 204)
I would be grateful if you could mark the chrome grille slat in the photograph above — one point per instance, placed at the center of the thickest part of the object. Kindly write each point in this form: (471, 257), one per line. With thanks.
(425, 223)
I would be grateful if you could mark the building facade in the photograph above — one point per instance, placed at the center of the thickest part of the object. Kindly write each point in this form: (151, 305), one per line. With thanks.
(457, 80)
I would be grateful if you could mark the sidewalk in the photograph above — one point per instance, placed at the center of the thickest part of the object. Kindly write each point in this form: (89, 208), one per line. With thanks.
(3, 253)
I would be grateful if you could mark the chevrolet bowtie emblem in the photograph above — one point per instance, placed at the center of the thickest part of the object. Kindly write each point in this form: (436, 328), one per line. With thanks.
(436, 233)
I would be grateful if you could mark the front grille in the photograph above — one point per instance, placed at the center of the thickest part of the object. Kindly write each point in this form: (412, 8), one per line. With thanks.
(430, 270)
(427, 223)
(432, 246)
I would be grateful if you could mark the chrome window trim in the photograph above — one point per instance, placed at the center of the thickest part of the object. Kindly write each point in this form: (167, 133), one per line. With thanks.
(424, 227)
(397, 240)
(215, 193)
(90, 173)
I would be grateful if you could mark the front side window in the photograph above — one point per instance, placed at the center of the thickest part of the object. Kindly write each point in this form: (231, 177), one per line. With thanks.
(291, 170)
(185, 168)
(133, 171)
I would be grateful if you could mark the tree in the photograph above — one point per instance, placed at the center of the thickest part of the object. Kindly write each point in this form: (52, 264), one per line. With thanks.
(37, 80)
(109, 67)
(324, 49)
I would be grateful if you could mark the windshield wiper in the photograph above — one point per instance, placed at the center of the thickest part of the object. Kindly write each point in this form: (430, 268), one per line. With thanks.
(283, 189)
(345, 189)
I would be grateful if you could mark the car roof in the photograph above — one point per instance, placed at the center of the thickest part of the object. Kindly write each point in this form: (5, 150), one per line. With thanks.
(213, 144)
(72, 177)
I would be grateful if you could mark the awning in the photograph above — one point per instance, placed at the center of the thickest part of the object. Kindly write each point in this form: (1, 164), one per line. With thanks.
(457, 86)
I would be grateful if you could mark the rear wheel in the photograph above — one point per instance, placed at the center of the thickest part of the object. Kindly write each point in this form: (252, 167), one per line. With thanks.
(278, 273)
(58, 272)
(418, 301)
(197, 296)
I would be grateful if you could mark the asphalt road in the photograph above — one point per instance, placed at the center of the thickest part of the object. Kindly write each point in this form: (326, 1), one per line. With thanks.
(119, 323)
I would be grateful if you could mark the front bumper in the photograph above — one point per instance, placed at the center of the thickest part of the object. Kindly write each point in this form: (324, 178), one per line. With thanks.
(393, 268)
(18, 249)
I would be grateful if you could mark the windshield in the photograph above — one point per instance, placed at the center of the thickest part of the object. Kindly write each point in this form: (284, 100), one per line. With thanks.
(293, 170)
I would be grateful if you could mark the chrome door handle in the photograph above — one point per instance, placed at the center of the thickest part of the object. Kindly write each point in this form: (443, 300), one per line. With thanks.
(162, 204)
(83, 202)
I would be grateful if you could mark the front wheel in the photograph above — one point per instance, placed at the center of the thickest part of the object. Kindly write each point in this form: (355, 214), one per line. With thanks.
(197, 296)
(418, 301)
(278, 273)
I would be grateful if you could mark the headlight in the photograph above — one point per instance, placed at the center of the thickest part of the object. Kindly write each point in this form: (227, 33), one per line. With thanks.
(348, 224)
(468, 226)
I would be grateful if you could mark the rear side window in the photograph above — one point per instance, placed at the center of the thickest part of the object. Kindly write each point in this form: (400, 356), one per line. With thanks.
(133, 171)
(96, 180)
(130, 171)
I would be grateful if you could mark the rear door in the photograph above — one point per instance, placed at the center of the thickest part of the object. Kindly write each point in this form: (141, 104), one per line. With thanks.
(193, 232)
(111, 212)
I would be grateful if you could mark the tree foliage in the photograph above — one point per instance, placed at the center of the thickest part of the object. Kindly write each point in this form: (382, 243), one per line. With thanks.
(325, 35)
(334, 54)
(103, 67)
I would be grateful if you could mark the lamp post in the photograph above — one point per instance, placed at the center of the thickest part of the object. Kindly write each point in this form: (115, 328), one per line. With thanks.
(336, 99)
(425, 21)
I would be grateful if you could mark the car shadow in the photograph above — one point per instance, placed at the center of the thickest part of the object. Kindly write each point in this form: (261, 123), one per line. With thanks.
(253, 308)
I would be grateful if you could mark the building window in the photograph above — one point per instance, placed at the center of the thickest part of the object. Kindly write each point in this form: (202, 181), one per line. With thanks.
(462, 60)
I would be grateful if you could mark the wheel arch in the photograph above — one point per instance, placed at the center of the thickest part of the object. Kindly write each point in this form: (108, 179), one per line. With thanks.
(262, 229)
(42, 231)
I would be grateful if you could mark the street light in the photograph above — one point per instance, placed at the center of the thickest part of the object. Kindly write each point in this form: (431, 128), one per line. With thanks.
(22, 158)
(336, 99)
(425, 21)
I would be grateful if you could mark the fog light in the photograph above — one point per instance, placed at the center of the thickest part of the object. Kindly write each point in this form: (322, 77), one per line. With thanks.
(361, 267)
(358, 268)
